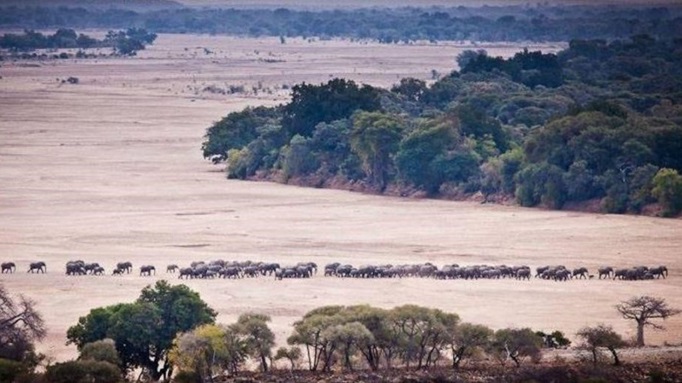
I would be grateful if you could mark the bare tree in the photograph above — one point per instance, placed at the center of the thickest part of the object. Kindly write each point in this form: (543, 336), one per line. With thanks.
(20, 325)
(642, 310)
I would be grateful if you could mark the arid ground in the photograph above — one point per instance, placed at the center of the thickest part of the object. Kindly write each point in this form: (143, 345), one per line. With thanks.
(110, 169)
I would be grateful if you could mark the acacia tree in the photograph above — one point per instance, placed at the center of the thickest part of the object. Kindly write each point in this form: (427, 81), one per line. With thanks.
(516, 344)
(643, 310)
(601, 336)
(466, 339)
(259, 339)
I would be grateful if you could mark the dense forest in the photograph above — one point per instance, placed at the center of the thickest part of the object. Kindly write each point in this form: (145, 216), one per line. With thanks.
(486, 23)
(598, 122)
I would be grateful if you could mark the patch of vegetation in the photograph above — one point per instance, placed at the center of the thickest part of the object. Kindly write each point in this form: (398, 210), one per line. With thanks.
(589, 123)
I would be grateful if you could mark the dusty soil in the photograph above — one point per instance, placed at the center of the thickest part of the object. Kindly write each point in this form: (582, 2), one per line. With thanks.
(111, 169)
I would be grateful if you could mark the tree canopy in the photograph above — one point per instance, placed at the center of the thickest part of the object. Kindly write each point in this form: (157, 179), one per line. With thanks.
(546, 129)
(143, 331)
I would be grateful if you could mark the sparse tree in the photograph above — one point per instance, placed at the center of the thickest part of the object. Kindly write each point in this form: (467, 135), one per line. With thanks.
(259, 338)
(643, 310)
(20, 326)
(601, 336)
(292, 354)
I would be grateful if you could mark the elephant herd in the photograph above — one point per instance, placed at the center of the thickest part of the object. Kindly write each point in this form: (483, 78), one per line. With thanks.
(427, 270)
(250, 269)
(242, 269)
(454, 271)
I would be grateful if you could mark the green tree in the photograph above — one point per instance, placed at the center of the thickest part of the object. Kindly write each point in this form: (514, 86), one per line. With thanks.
(348, 339)
(517, 345)
(144, 330)
(374, 139)
(601, 336)
(417, 158)
(298, 158)
(236, 130)
(292, 354)
(83, 371)
(101, 350)
(208, 350)
(338, 99)
(668, 191)
(258, 337)
(467, 339)
(643, 310)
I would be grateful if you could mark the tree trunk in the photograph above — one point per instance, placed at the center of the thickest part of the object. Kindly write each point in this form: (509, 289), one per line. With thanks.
(640, 333)
(616, 361)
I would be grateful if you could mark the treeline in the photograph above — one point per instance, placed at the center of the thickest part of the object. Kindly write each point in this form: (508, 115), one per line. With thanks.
(170, 332)
(126, 42)
(506, 23)
(597, 122)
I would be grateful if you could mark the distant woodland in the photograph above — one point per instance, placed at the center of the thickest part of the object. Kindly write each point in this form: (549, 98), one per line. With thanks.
(600, 123)
(510, 23)
(597, 126)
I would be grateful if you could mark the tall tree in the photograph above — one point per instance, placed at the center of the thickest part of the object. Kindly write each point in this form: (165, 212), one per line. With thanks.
(374, 139)
(144, 330)
(643, 310)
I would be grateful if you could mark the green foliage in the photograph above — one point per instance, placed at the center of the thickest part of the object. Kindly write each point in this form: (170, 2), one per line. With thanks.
(517, 345)
(668, 191)
(601, 336)
(374, 139)
(143, 331)
(297, 157)
(258, 338)
(420, 154)
(236, 130)
(11, 370)
(335, 100)
(101, 350)
(292, 354)
(541, 183)
(83, 371)
(529, 68)
(128, 42)
(468, 339)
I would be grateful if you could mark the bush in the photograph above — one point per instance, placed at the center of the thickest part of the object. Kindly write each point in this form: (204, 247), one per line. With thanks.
(10, 370)
(668, 191)
(78, 371)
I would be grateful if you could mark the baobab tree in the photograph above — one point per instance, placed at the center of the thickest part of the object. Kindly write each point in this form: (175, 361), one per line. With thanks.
(642, 310)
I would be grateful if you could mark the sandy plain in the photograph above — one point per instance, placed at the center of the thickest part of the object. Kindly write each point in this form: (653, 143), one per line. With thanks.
(111, 169)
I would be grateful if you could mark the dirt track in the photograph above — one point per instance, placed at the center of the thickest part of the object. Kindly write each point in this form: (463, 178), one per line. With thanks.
(111, 169)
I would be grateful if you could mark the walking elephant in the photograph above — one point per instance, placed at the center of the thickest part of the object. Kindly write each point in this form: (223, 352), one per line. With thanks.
(147, 270)
(126, 266)
(37, 267)
(8, 267)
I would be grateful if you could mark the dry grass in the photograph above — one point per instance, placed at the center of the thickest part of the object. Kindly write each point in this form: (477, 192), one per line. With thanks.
(111, 169)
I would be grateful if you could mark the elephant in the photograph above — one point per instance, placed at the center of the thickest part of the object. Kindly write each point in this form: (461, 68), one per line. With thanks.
(230, 272)
(147, 270)
(605, 272)
(38, 267)
(268, 268)
(99, 270)
(659, 271)
(330, 269)
(118, 271)
(523, 273)
(541, 270)
(186, 272)
(90, 267)
(620, 274)
(250, 271)
(562, 275)
(75, 268)
(127, 266)
(581, 272)
(8, 267)
(171, 268)
(343, 271)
